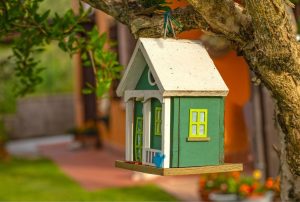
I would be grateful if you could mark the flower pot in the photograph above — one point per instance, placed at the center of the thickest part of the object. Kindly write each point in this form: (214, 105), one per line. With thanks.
(267, 197)
(219, 197)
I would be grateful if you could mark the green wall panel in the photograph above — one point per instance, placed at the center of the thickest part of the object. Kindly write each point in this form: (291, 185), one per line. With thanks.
(143, 83)
(222, 130)
(174, 132)
(155, 142)
(200, 153)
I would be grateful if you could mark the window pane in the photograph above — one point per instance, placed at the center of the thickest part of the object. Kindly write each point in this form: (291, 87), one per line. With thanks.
(158, 115)
(194, 129)
(202, 129)
(194, 116)
(202, 116)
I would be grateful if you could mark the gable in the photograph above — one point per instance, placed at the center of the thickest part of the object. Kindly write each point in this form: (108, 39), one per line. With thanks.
(179, 67)
(143, 82)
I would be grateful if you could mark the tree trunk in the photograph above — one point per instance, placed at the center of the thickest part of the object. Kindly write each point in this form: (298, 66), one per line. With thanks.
(290, 185)
(261, 31)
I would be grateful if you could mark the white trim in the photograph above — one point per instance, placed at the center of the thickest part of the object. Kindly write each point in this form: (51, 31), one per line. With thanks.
(146, 94)
(166, 125)
(133, 71)
(149, 78)
(149, 154)
(129, 130)
(151, 68)
(146, 127)
(195, 93)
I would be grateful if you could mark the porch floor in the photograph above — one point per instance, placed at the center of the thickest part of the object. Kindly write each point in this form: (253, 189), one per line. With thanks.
(227, 167)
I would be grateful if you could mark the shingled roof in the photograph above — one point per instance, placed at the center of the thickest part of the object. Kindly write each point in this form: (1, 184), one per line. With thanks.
(179, 67)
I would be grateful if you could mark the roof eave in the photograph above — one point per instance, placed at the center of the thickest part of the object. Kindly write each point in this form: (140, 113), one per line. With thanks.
(213, 93)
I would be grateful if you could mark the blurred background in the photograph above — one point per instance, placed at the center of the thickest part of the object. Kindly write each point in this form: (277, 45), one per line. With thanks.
(60, 144)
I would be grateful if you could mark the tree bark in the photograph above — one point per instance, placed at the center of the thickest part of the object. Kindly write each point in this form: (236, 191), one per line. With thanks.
(260, 31)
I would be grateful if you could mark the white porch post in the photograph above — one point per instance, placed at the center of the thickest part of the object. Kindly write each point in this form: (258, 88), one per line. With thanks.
(166, 124)
(129, 130)
(146, 127)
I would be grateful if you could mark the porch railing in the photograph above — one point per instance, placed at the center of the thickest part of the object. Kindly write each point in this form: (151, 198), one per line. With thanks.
(149, 155)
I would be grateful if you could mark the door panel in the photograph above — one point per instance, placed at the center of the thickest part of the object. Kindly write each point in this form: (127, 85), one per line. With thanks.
(138, 132)
(138, 142)
(156, 124)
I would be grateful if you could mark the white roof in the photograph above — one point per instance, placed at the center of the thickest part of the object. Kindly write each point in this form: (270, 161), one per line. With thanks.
(179, 67)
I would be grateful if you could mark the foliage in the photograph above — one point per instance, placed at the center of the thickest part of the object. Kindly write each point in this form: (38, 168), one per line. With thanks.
(31, 30)
(58, 76)
(7, 98)
(41, 180)
(234, 183)
(104, 63)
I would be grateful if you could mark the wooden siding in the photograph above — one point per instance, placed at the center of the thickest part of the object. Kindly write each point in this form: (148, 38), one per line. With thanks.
(186, 153)
(221, 130)
(174, 132)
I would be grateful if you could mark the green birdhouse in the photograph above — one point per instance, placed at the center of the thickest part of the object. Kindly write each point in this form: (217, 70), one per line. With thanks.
(174, 99)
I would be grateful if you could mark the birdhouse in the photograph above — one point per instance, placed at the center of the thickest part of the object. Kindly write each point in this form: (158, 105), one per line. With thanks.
(174, 99)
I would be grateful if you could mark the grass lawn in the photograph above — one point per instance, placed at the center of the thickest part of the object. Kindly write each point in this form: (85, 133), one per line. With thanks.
(41, 180)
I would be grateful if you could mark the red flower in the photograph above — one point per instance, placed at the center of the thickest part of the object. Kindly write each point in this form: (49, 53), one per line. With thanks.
(245, 189)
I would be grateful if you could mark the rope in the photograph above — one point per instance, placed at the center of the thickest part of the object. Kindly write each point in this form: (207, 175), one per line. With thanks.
(168, 24)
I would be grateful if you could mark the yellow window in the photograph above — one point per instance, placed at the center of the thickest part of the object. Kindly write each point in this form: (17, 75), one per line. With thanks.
(157, 122)
(198, 123)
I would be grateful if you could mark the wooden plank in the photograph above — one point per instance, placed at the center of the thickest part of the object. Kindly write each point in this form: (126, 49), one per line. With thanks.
(139, 168)
(228, 167)
(203, 169)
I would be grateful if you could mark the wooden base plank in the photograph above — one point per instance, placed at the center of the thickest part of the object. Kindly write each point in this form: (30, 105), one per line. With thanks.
(227, 167)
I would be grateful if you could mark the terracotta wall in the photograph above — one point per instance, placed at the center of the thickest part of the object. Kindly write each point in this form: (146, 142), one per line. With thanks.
(114, 133)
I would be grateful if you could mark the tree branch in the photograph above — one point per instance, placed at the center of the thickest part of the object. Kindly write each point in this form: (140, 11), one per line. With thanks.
(275, 59)
(145, 24)
(226, 18)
